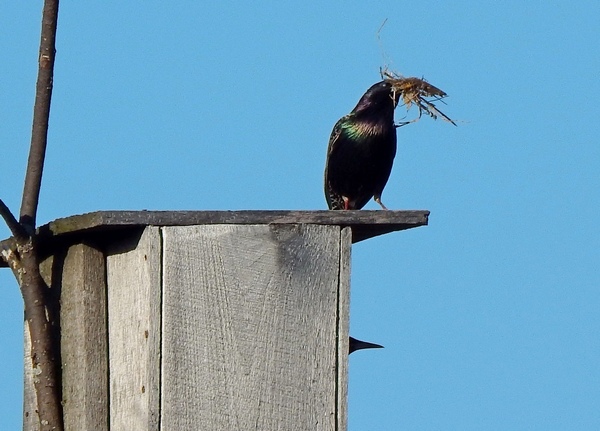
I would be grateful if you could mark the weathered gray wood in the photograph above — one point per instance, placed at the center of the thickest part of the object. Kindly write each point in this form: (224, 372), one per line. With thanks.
(362, 221)
(105, 226)
(77, 276)
(30, 417)
(250, 317)
(217, 326)
(134, 301)
(84, 350)
(343, 330)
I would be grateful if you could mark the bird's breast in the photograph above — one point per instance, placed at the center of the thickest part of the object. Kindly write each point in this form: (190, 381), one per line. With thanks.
(368, 129)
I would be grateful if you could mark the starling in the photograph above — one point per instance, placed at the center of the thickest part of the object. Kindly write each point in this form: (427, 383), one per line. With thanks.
(361, 150)
(357, 345)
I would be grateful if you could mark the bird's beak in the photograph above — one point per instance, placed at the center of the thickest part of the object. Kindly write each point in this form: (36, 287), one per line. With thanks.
(395, 96)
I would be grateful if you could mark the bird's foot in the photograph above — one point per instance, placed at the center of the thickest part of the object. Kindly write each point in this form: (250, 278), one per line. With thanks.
(346, 203)
(378, 200)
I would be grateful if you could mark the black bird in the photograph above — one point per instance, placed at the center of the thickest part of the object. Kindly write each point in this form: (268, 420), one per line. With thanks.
(361, 150)
(357, 345)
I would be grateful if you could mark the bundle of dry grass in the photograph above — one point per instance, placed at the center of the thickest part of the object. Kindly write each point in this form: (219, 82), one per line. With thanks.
(416, 91)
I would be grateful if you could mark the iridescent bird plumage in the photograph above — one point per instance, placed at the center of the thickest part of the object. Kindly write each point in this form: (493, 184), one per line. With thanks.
(362, 145)
(361, 150)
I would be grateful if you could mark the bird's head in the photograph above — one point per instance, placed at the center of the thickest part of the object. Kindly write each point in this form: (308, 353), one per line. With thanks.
(381, 96)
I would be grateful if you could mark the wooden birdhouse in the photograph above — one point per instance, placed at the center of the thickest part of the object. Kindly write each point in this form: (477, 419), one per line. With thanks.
(204, 320)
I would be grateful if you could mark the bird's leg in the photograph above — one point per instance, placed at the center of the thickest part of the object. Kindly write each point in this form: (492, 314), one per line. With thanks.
(378, 200)
(346, 202)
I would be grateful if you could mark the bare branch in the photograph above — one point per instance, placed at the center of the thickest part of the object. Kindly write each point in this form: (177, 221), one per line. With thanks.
(23, 258)
(45, 348)
(15, 228)
(7, 251)
(41, 113)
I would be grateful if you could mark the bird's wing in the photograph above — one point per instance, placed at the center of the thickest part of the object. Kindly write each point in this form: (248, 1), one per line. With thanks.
(335, 134)
(334, 201)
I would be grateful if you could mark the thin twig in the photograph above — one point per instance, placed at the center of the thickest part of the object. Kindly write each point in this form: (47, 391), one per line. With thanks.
(15, 228)
(384, 56)
(41, 113)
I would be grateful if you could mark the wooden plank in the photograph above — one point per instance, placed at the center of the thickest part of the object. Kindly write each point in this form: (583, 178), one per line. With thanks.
(249, 317)
(359, 219)
(134, 302)
(77, 278)
(30, 417)
(84, 350)
(105, 226)
(343, 328)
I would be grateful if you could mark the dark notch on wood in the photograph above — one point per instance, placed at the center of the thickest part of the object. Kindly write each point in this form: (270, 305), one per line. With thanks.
(364, 224)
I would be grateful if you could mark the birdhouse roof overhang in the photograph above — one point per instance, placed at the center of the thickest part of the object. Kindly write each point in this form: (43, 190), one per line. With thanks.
(104, 225)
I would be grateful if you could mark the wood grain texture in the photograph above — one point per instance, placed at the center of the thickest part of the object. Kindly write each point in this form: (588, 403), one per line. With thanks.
(107, 226)
(30, 417)
(84, 350)
(343, 327)
(357, 218)
(250, 325)
(134, 302)
(77, 279)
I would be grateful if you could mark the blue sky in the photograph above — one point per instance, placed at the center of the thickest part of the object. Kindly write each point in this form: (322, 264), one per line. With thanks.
(490, 315)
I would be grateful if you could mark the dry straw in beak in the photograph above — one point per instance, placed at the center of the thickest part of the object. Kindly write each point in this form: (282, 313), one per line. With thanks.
(416, 91)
